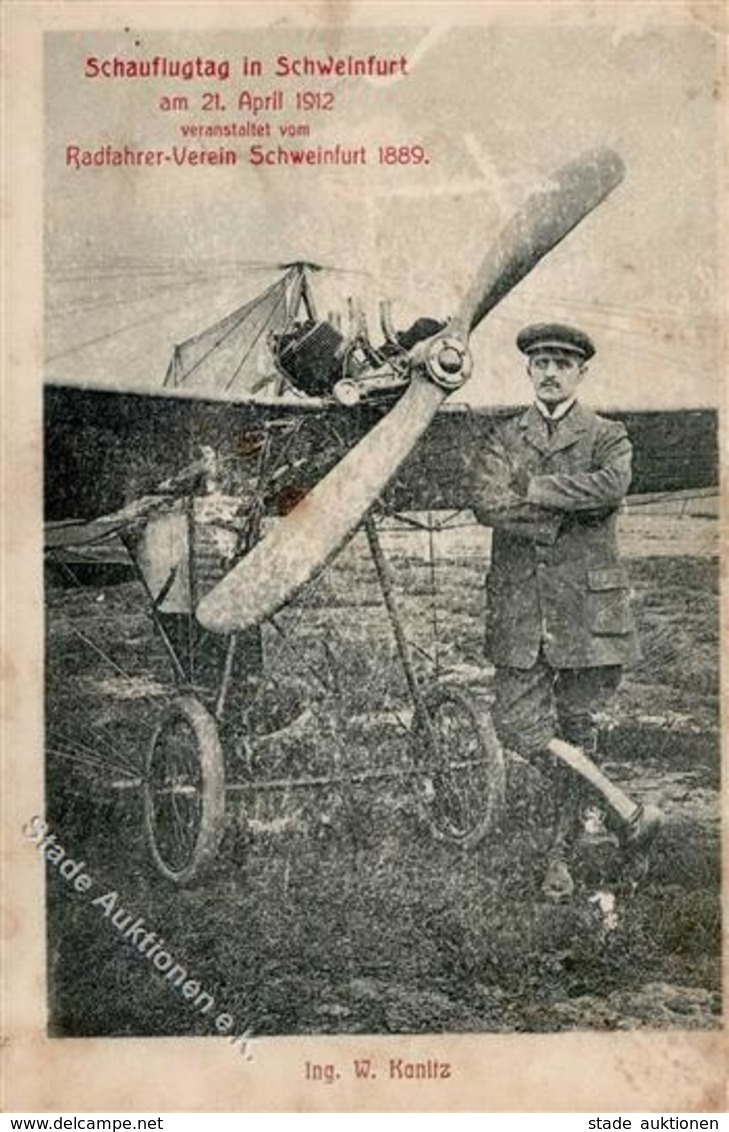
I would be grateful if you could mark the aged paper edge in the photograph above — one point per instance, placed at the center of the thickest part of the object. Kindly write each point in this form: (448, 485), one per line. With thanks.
(638, 1071)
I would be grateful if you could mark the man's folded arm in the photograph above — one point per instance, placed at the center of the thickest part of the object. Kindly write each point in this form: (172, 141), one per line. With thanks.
(496, 503)
(599, 490)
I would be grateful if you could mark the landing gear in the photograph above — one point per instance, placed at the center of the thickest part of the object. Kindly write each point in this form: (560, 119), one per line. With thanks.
(461, 784)
(184, 792)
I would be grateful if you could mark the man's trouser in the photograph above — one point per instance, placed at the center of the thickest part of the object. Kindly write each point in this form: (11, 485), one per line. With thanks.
(537, 704)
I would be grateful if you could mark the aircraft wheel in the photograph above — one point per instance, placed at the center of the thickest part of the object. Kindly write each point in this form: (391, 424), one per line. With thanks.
(184, 792)
(462, 784)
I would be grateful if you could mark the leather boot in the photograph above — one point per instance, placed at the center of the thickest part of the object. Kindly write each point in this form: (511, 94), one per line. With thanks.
(558, 883)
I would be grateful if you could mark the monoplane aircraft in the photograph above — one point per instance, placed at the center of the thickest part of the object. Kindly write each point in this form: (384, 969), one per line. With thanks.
(228, 504)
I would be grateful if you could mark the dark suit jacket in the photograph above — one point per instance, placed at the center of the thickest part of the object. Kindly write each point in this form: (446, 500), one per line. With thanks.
(556, 580)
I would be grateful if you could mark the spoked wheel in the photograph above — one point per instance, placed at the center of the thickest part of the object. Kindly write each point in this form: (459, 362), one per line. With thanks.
(184, 792)
(462, 777)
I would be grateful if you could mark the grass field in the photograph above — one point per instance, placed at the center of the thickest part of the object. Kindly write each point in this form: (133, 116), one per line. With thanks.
(335, 910)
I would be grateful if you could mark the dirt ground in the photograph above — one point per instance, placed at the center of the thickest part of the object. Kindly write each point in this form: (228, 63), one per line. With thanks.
(335, 910)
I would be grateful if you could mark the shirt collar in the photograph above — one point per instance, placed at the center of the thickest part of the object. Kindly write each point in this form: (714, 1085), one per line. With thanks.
(559, 410)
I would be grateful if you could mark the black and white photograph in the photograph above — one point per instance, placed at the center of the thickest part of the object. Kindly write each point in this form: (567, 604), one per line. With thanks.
(380, 696)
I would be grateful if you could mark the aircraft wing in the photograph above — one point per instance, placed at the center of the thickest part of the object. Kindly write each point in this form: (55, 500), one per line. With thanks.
(106, 449)
(672, 451)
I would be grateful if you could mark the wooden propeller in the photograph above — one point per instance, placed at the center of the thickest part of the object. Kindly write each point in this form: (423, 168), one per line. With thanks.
(308, 537)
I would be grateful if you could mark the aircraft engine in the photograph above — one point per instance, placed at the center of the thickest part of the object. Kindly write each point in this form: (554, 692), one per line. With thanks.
(320, 361)
(312, 356)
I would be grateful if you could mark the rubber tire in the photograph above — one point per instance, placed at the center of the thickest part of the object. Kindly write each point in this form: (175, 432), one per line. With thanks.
(188, 710)
(491, 752)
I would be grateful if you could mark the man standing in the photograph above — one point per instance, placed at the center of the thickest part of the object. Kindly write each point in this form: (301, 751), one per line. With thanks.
(550, 481)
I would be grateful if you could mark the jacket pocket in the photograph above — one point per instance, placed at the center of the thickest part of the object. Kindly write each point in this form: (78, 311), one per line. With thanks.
(608, 601)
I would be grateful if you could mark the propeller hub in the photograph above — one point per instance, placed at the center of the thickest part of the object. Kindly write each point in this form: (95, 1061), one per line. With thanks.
(448, 362)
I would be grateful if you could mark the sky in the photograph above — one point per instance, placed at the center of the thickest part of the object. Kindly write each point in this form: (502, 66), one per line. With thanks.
(139, 259)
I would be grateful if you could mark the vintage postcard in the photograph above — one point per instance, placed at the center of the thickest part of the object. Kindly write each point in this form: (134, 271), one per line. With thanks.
(362, 445)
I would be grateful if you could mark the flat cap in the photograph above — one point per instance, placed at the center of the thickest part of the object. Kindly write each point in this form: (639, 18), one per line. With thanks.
(542, 335)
